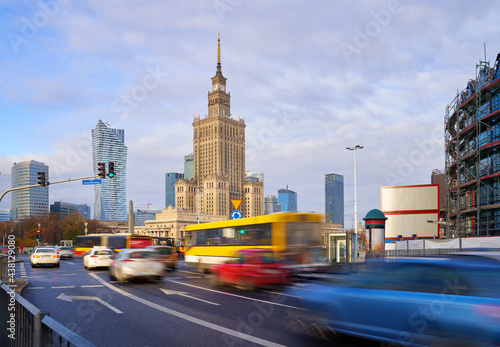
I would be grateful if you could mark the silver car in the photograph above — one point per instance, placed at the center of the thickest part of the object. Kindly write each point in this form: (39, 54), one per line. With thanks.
(136, 263)
(64, 251)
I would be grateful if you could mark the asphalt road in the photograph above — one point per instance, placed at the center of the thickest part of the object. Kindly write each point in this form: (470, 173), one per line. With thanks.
(182, 309)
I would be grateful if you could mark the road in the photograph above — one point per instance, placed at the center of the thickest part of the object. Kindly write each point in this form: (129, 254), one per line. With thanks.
(182, 309)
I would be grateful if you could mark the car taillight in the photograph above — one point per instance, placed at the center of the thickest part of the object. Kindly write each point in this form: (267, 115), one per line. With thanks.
(490, 311)
(55, 256)
(36, 256)
(93, 256)
(124, 260)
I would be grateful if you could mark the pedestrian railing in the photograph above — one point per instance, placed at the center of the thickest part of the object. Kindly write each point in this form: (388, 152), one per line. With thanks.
(24, 325)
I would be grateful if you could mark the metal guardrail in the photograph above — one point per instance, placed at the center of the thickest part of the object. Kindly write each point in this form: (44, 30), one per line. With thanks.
(400, 253)
(24, 325)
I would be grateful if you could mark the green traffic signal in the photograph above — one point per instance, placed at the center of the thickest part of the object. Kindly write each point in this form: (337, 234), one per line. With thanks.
(111, 173)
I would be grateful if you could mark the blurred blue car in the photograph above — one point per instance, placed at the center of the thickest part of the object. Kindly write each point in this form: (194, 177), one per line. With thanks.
(424, 301)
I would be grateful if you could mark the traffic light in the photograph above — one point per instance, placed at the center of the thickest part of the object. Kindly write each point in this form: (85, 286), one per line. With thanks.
(38, 235)
(101, 170)
(41, 178)
(111, 173)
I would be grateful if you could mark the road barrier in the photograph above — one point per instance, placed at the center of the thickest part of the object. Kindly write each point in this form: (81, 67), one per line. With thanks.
(24, 325)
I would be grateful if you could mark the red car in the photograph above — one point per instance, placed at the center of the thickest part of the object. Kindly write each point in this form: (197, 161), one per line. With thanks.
(251, 268)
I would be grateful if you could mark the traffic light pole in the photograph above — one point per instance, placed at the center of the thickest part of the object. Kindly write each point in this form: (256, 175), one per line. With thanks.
(46, 184)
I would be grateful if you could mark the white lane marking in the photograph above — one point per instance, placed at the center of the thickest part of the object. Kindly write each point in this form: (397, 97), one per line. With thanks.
(175, 292)
(62, 287)
(238, 296)
(35, 288)
(69, 298)
(93, 286)
(285, 294)
(187, 317)
(69, 262)
(69, 274)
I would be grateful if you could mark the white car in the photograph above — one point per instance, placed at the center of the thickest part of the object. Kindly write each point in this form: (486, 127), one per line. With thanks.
(44, 255)
(98, 257)
(136, 263)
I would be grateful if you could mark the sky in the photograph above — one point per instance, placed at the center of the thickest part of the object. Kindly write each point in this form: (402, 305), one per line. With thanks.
(310, 78)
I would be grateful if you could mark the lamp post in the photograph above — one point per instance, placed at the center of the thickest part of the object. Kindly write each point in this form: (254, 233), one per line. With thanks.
(355, 202)
(86, 224)
(198, 188)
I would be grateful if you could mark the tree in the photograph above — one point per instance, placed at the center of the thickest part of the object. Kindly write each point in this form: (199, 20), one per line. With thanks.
(72, 225)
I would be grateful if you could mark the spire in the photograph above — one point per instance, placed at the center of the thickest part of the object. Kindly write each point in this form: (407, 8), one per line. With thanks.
(218, 54)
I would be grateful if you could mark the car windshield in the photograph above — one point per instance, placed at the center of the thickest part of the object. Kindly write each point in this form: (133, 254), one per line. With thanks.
(44, 250)
(164, 251)
(142, 255)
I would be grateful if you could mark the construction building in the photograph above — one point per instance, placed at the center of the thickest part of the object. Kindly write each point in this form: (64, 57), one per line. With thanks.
(472, 156)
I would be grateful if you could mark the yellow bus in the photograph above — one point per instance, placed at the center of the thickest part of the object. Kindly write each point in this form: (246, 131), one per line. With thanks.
(293, 237)
(117, 242)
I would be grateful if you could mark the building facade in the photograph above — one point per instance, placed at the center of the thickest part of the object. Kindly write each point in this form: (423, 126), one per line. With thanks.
(4, 215)
(63, 208)
(287, 199)
(170, 179)
(141, 216)
(108, 145)
(472, 147)
(218, 160)
(271, 204)
(334, 198)
(32, 201)
(84, 210)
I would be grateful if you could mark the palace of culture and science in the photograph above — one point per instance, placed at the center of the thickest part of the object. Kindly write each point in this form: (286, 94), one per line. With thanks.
(219, 161)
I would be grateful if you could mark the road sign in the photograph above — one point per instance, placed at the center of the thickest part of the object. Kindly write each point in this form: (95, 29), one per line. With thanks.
(236, 214)
(89, 182)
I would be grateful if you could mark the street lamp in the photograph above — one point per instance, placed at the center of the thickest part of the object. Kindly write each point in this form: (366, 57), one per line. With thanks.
(355, 201)
(198, 188)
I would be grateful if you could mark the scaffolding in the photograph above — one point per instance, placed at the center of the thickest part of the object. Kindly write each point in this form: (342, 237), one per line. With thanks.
(472, 156)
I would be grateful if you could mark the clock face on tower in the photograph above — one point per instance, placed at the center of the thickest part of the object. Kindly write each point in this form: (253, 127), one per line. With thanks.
(221, 87)
(215, 86)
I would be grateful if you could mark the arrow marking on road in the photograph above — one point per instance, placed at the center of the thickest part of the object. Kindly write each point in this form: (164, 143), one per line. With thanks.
(175, 292)
(65, 297)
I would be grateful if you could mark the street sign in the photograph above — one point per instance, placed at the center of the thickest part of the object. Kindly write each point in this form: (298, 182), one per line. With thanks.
(89, 182)
(236, 214)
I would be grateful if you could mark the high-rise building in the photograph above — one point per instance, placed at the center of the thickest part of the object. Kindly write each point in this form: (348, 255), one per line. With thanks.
(472, 161)
(170, 178)
(32, 201)
(63, 208)
(141, 216)
(84, 210)
(271, 204)
(4, 215)
(334, 198)
(287, 199)
(108, 146)
(188, 167)
(219, 160)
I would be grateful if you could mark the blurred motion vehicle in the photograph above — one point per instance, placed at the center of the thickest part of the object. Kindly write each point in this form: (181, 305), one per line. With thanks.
(167, 253)
(116, 242)
(4, 250)
(64, 251)
(98, 257)
(43, 256)
(213, 243)
(136, 263)
(448, 301)
(250, 269)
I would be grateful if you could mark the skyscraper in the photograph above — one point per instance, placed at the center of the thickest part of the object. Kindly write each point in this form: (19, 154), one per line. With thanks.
(170, 178)
(219, 160)
(271, 204)
(334, 198)
(32, 201)
(108, 145)
(287, 199)
(188, 167)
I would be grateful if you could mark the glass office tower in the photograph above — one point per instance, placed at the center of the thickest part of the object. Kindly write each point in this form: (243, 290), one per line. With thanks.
(170, 179)
(287, 199)
(334, 198)
(32, 201)
(108, 145)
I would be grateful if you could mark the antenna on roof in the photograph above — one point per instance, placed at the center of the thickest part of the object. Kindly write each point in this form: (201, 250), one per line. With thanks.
(485, 51)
